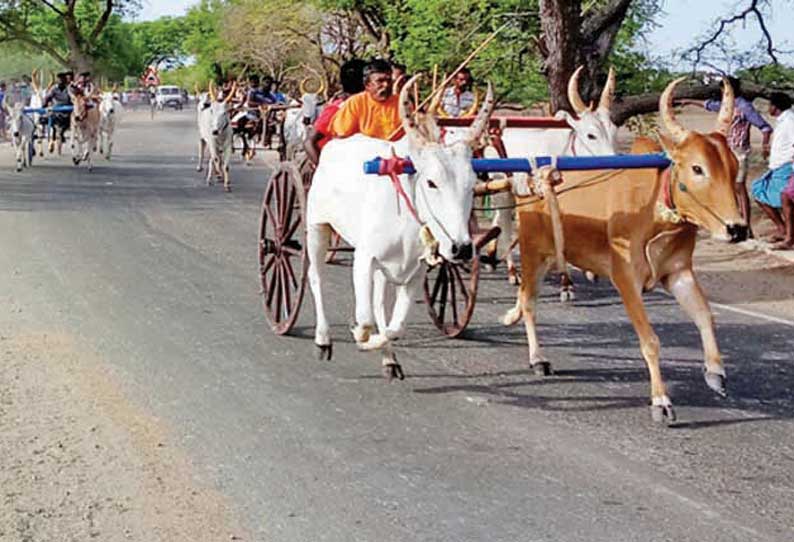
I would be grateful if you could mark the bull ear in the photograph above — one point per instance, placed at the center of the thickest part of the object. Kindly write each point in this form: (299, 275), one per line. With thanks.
(567, 117)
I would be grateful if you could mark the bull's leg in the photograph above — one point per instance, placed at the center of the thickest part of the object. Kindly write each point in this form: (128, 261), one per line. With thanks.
(227, 158)
(631, 294)
(317, 239)
(362, 285)
(379, 295)
(101, 141)
(110, 146)
(18, 152)
(533, 268)
(684, 286)
(512, 272)
(212, 164)
(200, 165)
(380, 298)
(406, 293)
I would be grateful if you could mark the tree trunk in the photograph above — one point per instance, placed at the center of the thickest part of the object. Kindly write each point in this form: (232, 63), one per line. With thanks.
(560, 23)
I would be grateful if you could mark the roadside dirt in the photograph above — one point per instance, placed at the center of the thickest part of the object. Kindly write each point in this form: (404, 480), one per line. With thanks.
(80, 463)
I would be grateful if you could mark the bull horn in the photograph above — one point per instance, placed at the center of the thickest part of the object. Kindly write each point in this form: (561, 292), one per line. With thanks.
(573, 92)
(725, 117)
(213, 95)
(436, 102)
(232, 92)
(677, 131)
(52, 81)
(196, 89)
(302, 85)
(608, 94)
(33, 76)
(407, 117)
(322, 86)
(480, 123)
(476, 104)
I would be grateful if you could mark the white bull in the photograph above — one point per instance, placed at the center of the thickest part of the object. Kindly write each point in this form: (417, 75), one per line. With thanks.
(110, 114)
(215, 133)
(22, 132)
(591, 134)
(389, 241)
(297, 120)
(37, 102)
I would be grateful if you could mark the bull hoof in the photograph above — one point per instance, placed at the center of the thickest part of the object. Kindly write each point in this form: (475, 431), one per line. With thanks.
(324, 351)
(592, 277)
(716, 382)
(567, 295)
(227, 188)
(541, 368)
(19, 168)
(392, 371)
(662, 411)
(514, 280)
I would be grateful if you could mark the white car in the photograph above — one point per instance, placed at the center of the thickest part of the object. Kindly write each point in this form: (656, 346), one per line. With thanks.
(168, 96)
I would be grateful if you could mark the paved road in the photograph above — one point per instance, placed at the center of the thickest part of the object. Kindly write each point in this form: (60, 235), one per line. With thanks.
(157, 274)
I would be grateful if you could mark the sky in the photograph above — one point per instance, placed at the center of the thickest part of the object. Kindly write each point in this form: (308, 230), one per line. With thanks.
(684, 21)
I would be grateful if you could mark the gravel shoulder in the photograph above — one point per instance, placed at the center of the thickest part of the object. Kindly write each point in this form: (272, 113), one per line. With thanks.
(82, 463)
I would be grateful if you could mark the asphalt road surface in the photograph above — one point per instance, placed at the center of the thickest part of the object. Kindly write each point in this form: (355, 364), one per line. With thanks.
(155, 274)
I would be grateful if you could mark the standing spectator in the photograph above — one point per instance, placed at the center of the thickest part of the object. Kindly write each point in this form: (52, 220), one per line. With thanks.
(459, 100)
(787, 201)
(768, 189)
(744, 116)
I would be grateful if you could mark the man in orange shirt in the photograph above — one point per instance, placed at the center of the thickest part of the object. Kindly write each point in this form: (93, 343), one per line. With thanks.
(375, 111)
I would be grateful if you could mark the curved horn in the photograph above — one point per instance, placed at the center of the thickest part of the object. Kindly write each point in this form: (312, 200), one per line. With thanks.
(213, 95)
(52, 81)
(474, 106)
(33, 76)
(232, 92)
(677, 131)
(302, 86)
(436, 102)
(322, 86)
(480, 123)
(573, 92)
(608, 94)
(407, 117)
(725, 117)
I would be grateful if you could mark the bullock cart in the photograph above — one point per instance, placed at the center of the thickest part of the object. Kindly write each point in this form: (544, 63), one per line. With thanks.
(269, 127)
(450, 288)
(32, 111)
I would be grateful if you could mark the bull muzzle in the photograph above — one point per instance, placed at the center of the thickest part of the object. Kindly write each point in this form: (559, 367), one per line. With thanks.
(462, 252)
(737, 232)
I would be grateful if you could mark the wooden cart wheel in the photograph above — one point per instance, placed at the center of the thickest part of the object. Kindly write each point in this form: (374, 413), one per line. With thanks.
(283, 263)
(450, 294)
(451, 288)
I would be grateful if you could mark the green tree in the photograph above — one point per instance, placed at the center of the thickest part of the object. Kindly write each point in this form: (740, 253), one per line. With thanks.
(72, 32)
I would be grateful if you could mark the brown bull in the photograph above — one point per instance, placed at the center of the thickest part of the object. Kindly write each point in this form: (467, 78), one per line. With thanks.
(85, 129)
(638, 227)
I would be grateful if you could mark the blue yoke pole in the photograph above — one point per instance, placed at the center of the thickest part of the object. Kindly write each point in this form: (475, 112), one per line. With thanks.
(564, 163)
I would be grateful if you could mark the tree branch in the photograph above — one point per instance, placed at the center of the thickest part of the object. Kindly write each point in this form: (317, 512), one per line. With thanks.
(611, 14)
(52, 6)
(752, 9)
(102, 22)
